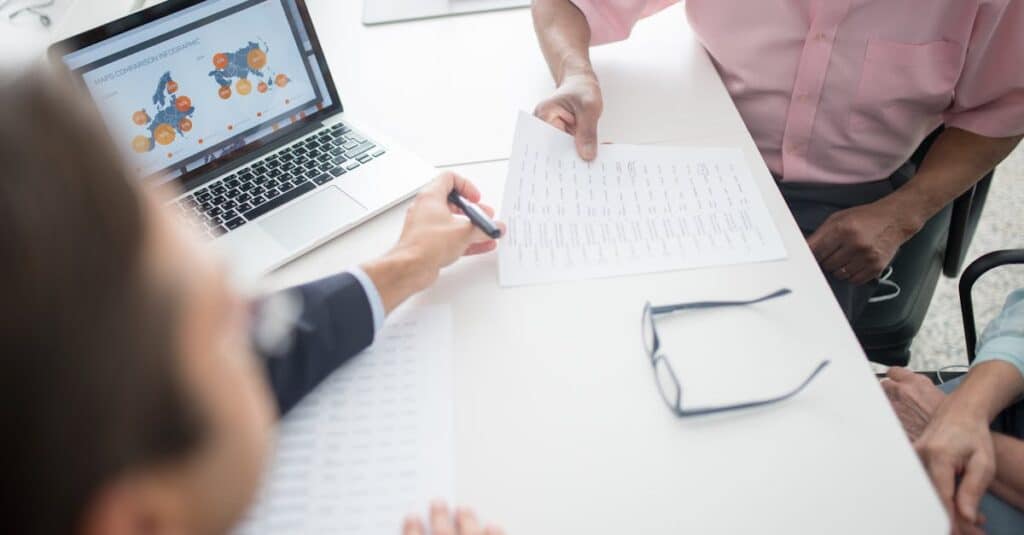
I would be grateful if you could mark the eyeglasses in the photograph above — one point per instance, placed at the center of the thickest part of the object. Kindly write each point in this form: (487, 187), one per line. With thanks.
(34, 9)
(671, 388)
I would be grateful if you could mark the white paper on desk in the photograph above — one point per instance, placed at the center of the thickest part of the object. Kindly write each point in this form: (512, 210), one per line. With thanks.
(371, 444)
(634, 209)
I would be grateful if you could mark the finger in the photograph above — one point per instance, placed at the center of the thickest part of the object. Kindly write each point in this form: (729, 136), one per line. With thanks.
(480, 248)
(447, 182)
(864, 276)
(487, 209)
(413, 526)
(976, 479)
(440, 520)
(493, 530)
(853, 269)
(467, 189)
(839, 258)
(823, 242)
(898, 373)
(587, 115)
(943, 476)
(965, 527)
(466, 522)
(556, 115)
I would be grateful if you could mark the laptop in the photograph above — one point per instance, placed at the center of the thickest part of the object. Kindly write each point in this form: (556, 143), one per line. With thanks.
(230, 105)
(385, 11)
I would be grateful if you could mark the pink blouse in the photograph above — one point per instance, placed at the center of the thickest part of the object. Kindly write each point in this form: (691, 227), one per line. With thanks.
(843, 91)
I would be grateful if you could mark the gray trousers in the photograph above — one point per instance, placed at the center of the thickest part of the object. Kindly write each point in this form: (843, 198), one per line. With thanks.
(811, 204)
(1001, 517)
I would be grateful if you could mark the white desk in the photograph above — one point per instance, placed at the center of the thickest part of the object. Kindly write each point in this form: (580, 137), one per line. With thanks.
(560, 428)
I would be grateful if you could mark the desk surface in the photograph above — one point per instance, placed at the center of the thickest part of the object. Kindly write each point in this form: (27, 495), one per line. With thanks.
(560, 428)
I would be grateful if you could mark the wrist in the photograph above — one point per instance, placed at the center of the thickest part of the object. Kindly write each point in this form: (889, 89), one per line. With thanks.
(909, 213)
(572, 65)
(398, 275)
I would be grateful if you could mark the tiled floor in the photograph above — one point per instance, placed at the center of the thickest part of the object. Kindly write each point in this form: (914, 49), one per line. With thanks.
(941, 340)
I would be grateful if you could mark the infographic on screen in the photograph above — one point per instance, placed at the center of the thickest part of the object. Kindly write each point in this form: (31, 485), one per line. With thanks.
(188, 96)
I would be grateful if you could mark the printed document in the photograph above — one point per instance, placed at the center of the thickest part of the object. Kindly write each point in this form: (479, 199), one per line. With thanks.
(634, 209)
(371, 444)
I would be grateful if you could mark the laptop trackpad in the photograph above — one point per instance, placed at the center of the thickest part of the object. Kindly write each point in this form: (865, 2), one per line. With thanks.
(311, 218)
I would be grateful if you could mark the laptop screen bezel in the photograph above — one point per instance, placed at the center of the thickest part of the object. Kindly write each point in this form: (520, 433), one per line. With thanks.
(225, 163)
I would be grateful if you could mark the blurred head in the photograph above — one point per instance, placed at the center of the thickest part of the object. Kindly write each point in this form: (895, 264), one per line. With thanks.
(131, 398)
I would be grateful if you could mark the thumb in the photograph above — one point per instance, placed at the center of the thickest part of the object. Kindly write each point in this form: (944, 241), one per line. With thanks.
(587, 115)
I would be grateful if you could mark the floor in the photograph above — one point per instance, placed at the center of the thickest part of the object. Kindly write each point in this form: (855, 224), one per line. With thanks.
(941, 340)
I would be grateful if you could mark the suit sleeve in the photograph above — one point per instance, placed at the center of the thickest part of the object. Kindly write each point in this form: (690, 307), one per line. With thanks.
(336, 323)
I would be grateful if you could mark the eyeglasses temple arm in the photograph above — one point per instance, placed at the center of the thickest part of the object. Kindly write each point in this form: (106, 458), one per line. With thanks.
(666, 309)
(750, 404)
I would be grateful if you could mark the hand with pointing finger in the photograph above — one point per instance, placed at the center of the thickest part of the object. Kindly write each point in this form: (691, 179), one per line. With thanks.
(575, 108)
(442, 522)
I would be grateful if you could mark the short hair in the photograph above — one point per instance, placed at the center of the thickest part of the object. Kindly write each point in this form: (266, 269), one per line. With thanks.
(91, 387)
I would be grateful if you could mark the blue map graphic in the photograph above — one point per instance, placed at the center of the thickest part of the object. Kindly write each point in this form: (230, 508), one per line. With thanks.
(238, 67)
(166, 109)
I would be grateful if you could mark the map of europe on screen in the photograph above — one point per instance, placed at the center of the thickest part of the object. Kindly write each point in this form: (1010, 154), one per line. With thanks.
(172, 117)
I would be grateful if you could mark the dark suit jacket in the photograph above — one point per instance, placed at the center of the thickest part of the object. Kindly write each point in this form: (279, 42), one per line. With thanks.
(335, 325)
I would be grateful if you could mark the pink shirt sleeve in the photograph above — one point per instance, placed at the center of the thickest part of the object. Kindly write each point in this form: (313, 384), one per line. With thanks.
(612, 20)
(990, 94)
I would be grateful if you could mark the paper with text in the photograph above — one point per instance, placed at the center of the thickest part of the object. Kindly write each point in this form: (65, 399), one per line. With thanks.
(371, 444)
(634, 209)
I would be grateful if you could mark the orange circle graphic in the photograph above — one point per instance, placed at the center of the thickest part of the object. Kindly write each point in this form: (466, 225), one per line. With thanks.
(140, 117)
(183, 104)
(281, 80)
(185, 125)
(243, 86)
(263, 87)
(220, 60)
(164, 134)
(224, 92)
(141, 144)
(257, 59)
(172, 86)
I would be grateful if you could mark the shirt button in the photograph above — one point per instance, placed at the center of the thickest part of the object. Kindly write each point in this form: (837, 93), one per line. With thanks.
(821, 36)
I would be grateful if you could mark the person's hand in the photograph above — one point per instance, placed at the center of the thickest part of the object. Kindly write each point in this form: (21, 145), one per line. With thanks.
(575, 108)
(434, 236)
(957, 444)
(858, 243)
(914, 399)
(442, 522)
(436, 232)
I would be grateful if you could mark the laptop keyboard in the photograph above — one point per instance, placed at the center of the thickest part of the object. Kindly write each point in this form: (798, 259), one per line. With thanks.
(234, 200)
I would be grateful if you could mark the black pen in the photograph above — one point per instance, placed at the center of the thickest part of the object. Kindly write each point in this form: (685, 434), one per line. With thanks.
(475, 215)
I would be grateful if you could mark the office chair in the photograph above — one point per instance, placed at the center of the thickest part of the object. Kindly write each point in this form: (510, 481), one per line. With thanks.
(971, 275)
(886, 329)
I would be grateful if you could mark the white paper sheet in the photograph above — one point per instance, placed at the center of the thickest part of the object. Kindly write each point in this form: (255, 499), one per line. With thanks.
(373, 443)
(635, 209)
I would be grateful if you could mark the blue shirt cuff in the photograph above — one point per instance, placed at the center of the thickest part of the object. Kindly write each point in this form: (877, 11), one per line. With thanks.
(372, 295)
(1007, 349)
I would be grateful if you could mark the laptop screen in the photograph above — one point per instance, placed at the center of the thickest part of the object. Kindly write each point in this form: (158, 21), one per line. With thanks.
(198, 86)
